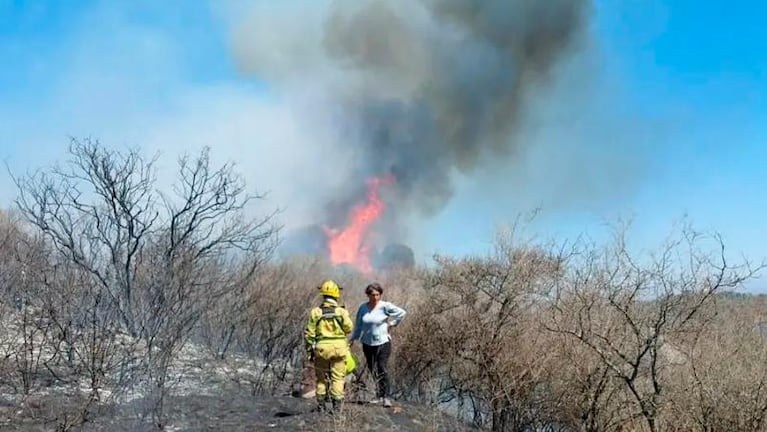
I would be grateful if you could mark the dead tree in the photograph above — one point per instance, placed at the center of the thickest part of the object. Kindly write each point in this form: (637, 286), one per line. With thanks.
(153, 260)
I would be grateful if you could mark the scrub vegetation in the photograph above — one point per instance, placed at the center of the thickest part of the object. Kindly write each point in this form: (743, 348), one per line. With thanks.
(119, 291)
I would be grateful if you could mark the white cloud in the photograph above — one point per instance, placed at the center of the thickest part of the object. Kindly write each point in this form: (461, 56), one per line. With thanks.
(296, 163)
(123, 81)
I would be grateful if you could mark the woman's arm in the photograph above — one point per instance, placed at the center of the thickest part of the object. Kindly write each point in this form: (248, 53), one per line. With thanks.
(395, 313)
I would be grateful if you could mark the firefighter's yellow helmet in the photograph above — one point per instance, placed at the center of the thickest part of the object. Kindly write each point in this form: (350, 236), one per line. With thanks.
(330, 288)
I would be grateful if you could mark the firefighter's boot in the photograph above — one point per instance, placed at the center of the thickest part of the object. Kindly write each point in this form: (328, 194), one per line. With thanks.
(322, 405)
(336, 405)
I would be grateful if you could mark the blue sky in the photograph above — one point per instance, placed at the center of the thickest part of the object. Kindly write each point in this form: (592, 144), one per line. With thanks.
(685, 80)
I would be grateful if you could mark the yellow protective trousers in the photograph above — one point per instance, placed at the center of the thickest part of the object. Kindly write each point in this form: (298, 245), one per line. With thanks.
(330, 366)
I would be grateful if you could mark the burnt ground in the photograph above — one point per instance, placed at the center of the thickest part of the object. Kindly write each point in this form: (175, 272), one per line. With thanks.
(216, 395)
(233, 411)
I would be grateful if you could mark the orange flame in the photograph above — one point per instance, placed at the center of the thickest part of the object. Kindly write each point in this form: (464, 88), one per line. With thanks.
(347, 245)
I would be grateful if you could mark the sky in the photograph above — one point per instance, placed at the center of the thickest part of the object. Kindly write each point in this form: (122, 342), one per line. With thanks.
(682, 83)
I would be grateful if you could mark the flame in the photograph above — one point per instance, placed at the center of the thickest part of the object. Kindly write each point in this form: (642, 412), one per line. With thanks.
(347, 245)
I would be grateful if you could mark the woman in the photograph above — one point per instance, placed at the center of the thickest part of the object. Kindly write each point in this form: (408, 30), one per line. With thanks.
(372, 328)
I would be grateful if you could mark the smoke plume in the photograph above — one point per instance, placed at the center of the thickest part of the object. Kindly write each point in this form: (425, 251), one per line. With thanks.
(421, 89)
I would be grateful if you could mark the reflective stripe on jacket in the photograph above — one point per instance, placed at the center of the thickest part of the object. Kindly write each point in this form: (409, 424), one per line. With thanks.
(336, 324)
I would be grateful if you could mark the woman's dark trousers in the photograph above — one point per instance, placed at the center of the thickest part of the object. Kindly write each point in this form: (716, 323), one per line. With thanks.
(377, 359)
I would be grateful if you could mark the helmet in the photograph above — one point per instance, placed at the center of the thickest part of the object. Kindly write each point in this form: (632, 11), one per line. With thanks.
(330, 288)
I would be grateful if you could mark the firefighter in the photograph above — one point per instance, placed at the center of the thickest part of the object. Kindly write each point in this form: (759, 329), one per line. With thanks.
(326, 345)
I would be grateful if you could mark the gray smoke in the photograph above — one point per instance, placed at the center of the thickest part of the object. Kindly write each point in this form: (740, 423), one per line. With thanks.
(421, 89)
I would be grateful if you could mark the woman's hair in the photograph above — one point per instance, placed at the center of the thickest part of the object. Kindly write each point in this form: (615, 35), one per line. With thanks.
(375, 286)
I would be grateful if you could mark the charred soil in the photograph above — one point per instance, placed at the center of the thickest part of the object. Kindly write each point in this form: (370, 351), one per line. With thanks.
(234, 410)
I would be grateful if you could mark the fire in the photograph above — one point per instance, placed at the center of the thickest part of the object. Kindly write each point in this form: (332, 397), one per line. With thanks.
(347, 245)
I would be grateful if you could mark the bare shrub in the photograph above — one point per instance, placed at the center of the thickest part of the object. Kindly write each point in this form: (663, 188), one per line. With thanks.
(626, 311)
(721, 382)
(148, 264)
(476, 333)
(27, 330)
(271, 327)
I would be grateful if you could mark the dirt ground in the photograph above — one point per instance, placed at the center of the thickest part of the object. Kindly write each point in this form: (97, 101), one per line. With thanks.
(234, 411)
(208, 398)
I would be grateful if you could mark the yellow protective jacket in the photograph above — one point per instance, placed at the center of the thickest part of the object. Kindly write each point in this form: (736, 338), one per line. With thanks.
(328, 323)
